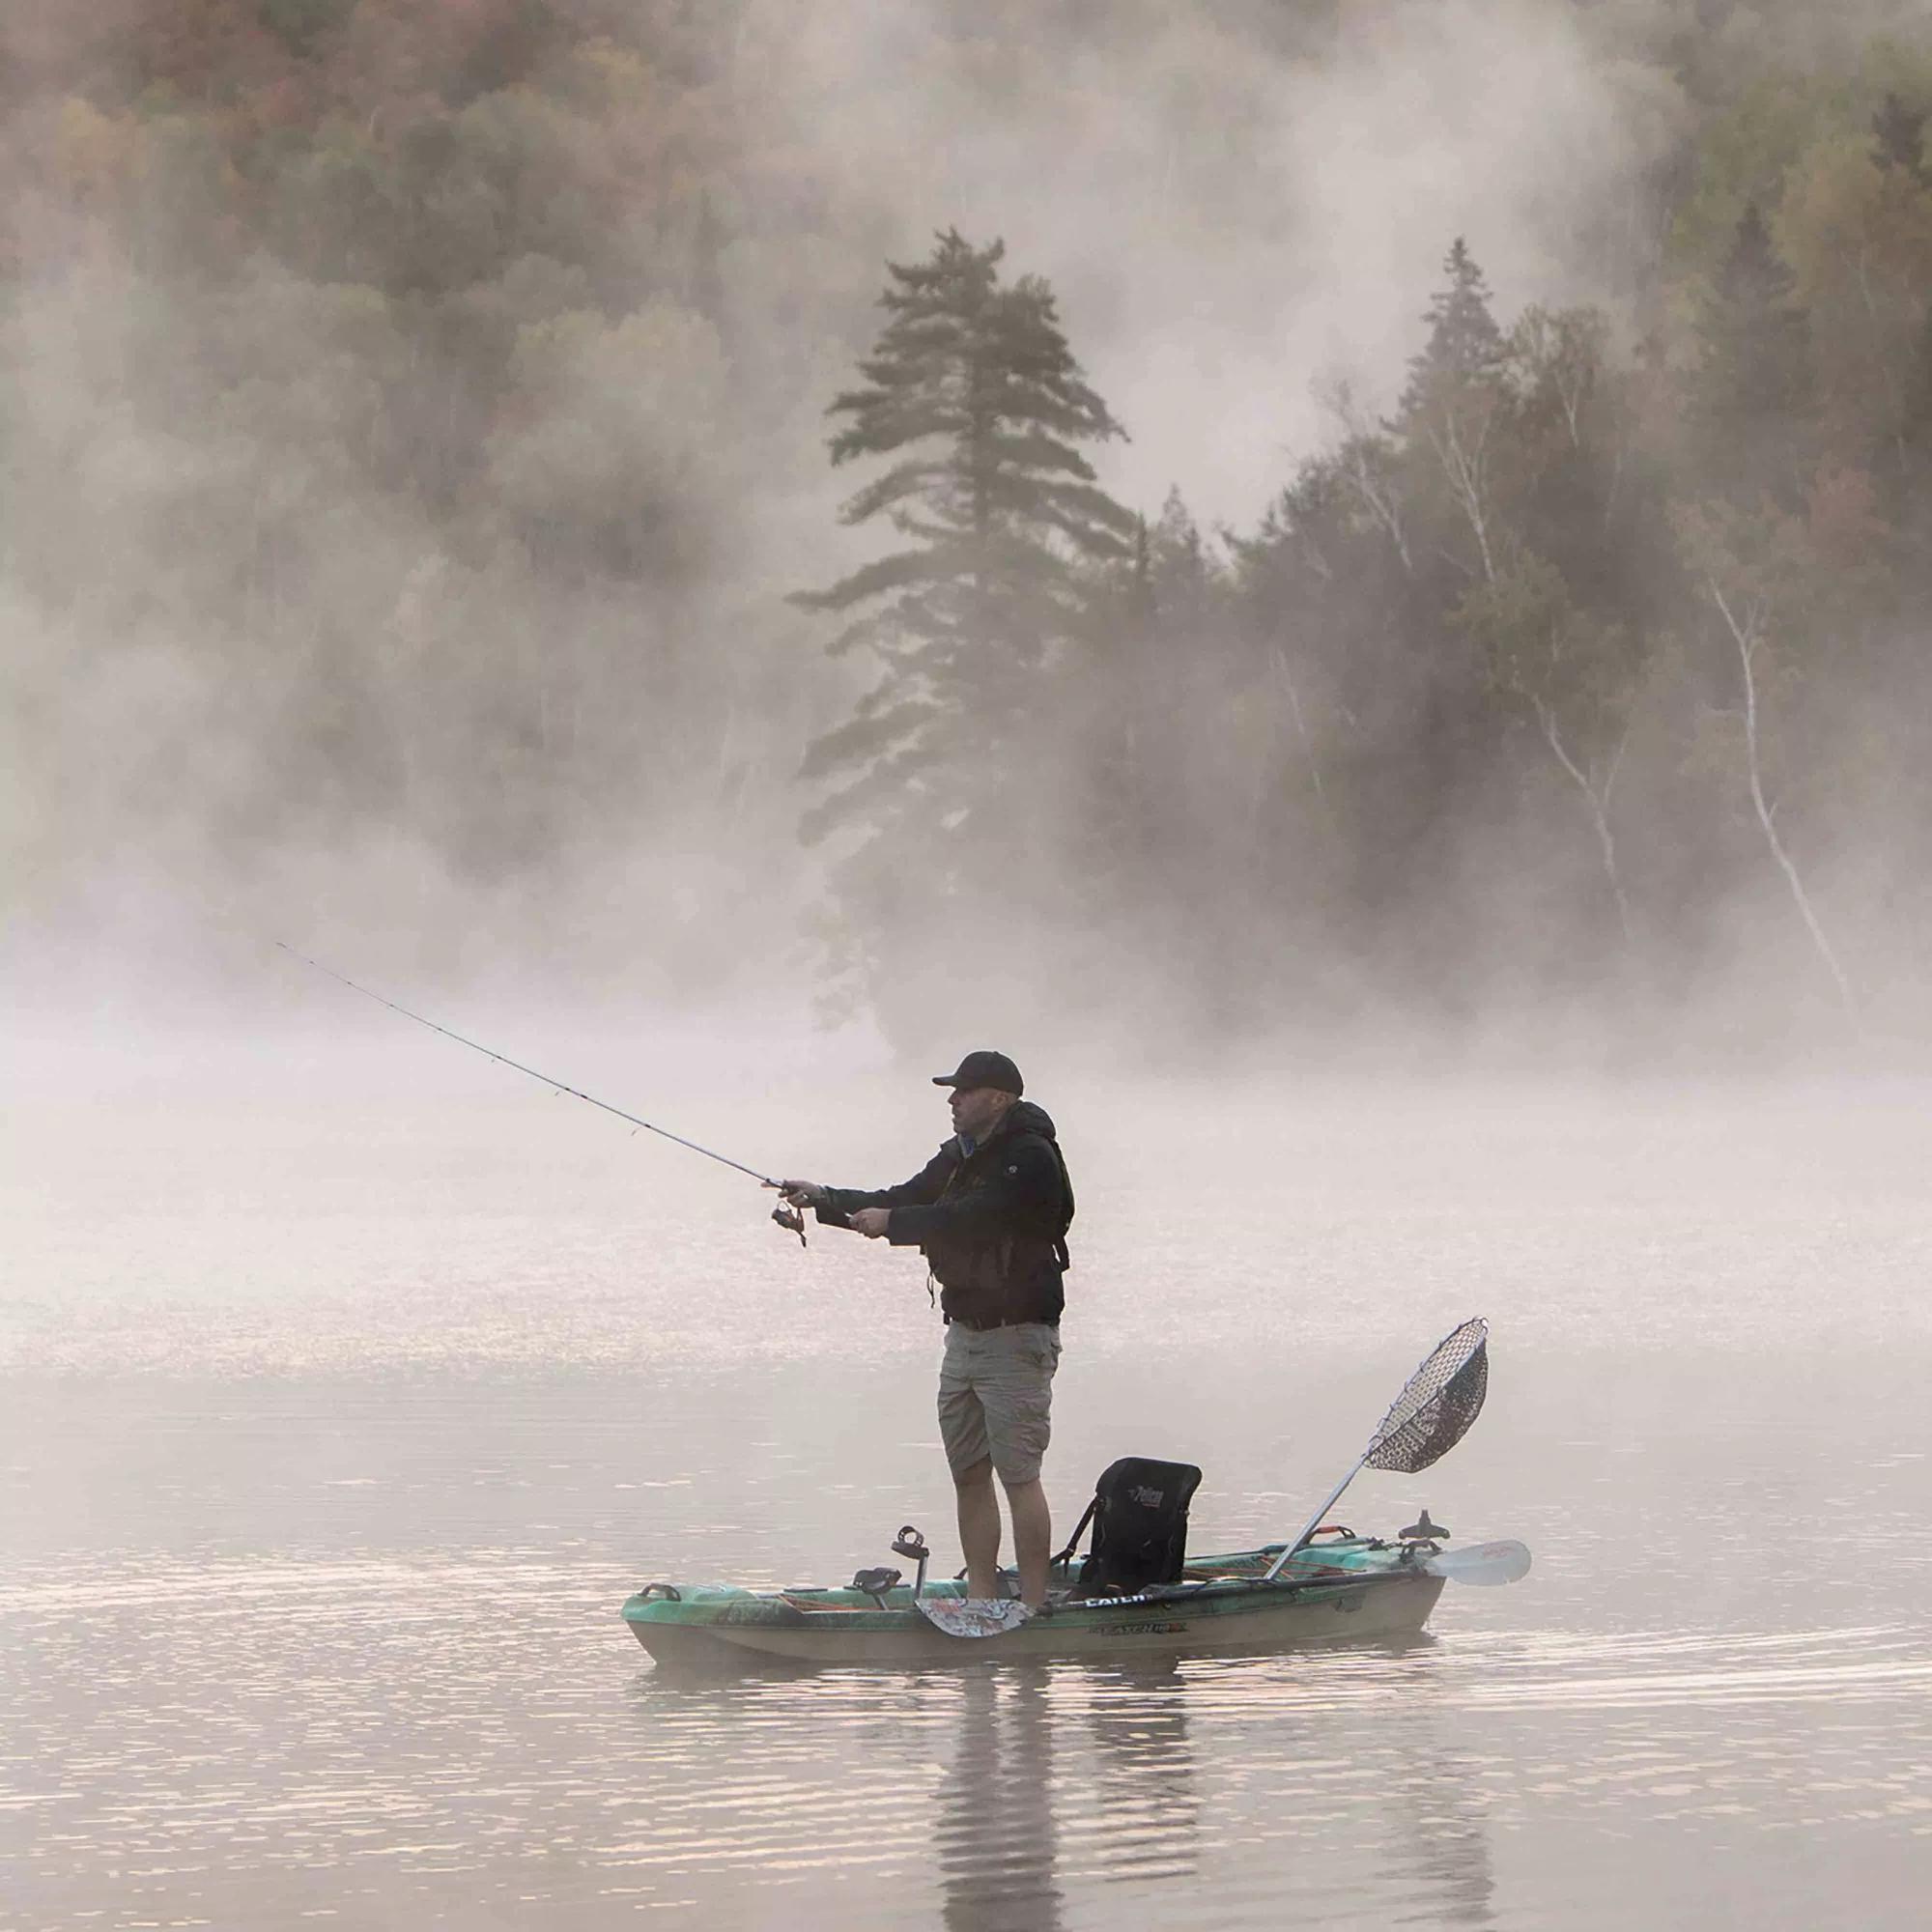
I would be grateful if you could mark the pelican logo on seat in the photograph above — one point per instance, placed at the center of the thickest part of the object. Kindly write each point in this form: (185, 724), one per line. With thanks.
(1148, 1498)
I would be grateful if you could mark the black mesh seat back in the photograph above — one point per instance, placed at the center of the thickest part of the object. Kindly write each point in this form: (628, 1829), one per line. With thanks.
(1140, 1526)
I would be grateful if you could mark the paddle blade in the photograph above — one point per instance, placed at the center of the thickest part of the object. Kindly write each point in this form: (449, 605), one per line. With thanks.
(1443, 1397)
(974, 1616)
(1506, 1562)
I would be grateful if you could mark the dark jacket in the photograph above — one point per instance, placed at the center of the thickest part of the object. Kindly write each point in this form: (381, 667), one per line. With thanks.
(992, 1223)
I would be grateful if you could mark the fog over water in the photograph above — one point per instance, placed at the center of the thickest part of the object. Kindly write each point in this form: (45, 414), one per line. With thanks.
(1460, 852)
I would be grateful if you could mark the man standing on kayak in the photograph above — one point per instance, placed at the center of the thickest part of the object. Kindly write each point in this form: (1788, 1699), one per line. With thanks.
(991, 1212)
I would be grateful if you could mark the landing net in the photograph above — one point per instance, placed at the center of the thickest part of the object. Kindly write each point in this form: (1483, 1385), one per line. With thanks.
(1443, 1397)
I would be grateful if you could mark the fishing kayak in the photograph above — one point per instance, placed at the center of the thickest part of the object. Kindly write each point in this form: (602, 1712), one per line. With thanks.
(1342, 1590)
(1137, 1591)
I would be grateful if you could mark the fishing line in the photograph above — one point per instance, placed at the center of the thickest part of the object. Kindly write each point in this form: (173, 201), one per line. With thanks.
(557, 1086)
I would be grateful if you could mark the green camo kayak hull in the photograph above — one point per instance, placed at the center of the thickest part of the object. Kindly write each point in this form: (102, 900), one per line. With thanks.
(1338, 1592)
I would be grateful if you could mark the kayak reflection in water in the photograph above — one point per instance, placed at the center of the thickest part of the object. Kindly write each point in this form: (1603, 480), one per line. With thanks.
(991, 1212)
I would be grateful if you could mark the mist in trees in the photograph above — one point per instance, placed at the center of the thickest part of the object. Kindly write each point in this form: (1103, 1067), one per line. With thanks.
(416, 520)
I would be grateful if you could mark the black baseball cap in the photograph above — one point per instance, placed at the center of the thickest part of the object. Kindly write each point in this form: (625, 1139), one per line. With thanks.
(984, 1068)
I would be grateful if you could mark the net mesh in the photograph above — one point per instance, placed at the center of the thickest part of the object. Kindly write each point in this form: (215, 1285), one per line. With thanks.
(1443, 1397)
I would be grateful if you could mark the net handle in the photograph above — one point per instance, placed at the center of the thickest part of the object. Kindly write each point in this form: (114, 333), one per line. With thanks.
(1315, 1522)
(1383, 1432)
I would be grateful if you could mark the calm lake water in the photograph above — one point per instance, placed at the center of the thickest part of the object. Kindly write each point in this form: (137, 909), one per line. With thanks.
(334, 1431)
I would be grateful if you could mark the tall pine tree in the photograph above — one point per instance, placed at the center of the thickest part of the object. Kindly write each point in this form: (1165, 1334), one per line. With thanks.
(1453, 416)
(1465, 344)
(973, 397)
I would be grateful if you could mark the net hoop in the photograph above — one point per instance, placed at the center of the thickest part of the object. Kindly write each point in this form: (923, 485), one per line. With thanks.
(1437, 1404)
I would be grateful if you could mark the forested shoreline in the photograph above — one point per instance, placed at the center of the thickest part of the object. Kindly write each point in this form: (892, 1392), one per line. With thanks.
(415, 428)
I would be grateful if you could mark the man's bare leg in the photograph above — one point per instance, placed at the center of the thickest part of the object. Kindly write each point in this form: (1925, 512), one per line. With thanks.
(980, 1527)
(1033, 1539)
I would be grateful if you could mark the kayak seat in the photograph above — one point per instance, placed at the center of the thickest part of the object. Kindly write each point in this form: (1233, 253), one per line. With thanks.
(1139, 1514)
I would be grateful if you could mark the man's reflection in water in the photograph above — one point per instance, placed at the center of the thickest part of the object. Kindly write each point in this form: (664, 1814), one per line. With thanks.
(994, 1814)
(1125, 1789)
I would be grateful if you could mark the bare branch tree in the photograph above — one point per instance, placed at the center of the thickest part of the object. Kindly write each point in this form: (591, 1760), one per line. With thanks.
(1566, 671)
(1747, 635)
(1465, 457)
(1596, 784)
(1363, 461)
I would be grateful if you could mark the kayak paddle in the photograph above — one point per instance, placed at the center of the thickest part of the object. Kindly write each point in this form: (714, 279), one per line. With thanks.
(1505, 1562)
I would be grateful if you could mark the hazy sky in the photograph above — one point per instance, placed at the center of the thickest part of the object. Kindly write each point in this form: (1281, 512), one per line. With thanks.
(1227, 226)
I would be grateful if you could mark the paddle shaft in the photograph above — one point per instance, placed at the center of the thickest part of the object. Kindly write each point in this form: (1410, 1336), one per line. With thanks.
(503, 1060)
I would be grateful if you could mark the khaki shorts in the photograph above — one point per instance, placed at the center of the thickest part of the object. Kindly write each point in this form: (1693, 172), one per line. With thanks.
(996, 1395)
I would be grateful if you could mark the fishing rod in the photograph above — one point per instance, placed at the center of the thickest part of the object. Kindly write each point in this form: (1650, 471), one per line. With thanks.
(792, 1220)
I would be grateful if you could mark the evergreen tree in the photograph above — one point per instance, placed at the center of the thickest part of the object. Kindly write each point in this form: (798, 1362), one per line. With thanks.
(1455, 415)
(1465, 344)
(974, 397)
(1178, 564)
(1753, 392)
(1458, 481)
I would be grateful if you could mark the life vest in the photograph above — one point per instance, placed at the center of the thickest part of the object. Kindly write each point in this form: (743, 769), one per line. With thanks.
(1016, 1275)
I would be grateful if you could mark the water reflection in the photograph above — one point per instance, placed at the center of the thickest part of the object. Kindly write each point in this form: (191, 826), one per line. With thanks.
(994, 1821)
(425, 1733)
(1016, 1787)
(1059, 1776)
(1143, 1775)
(393, 1678)
(1439, 1859)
